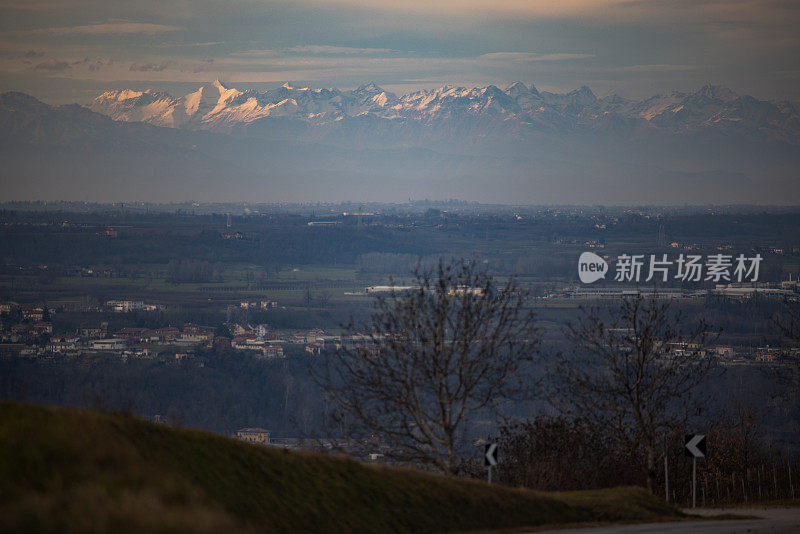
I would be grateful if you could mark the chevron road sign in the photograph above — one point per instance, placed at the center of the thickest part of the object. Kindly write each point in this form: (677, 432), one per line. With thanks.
(490, 454)
(490, 457)
(695, 445)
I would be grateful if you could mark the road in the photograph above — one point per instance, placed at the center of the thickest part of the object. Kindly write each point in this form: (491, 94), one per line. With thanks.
(775, 521)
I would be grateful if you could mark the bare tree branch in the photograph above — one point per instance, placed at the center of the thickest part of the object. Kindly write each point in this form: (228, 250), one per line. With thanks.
(636, 376)
(430, 359)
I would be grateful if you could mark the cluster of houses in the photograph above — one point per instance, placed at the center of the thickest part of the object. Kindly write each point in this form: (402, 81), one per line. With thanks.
(127, 306)
(729, 355)
(27, 330)
(258, 304)
(32, 336)
(126, 341)
(786, 289)
(30, 313)
(371, 449)
(24, 332)
(271, 344)
(24, 324)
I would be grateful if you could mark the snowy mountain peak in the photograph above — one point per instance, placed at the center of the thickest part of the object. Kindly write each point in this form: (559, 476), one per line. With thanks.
(585, 91)
(446, 89)
(492, 90)
(369, 87)
(716, 92)
(519, 108)
(126, 94)
(517, 88)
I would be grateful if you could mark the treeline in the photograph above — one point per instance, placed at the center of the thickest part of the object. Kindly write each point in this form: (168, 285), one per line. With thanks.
(260, 244)
(59, 239)
(555, 453)
(220, 392)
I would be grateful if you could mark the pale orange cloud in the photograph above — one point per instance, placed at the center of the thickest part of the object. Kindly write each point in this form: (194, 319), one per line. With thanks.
(107, 28)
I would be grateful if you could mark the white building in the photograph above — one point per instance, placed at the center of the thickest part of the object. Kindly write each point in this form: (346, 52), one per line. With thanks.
(108, 344)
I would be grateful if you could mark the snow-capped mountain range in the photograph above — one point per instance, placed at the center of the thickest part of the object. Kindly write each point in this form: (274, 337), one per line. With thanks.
(512, 145)
(449, 111)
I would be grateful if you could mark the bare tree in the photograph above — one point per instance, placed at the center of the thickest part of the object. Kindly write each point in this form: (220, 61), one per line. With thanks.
(787, 320)
(633, 376)
(556, 453)
(787, 371)
(431, 359)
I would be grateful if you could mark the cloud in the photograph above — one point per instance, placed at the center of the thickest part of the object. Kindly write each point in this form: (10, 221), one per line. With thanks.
(456, 8)
(528, 56)
(108, 28)
(27, 54)
(30, 5)
(254, 53)
(313, 50)
(205, 66)
(52, 65)
(684, 11)
(327, 49)
(192, 45)
(145, 66)
(652, 68)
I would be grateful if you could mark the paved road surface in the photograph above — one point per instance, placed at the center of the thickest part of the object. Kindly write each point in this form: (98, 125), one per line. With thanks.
(775, 521)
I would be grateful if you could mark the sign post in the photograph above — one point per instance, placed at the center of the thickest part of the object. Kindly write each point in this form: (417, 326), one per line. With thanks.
(666, 470)
(490, 457)
(694, 446)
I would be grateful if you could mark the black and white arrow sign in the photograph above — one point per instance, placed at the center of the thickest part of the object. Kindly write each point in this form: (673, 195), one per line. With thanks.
(490, 454)
(695, 445)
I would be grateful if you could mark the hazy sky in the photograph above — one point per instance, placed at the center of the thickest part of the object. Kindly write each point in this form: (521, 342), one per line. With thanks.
(64, 51)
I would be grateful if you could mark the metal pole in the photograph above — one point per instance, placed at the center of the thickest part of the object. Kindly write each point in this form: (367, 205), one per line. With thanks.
(775, 475)
(758, 472)
(666, 470)
(694, 481)
(744, 491)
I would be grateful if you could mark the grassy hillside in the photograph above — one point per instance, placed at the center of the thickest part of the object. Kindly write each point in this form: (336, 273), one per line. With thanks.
(66, 470)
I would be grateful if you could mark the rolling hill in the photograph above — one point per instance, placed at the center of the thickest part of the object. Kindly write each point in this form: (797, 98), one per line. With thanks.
(72, 471)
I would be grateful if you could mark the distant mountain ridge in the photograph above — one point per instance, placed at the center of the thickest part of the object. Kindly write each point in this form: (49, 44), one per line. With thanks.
(448, 112)
(517, 145)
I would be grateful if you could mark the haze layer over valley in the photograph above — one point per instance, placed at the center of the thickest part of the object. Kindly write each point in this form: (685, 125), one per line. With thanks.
(515, 145)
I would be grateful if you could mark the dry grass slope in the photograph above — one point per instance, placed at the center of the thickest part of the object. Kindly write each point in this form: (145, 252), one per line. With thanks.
(73, 471)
